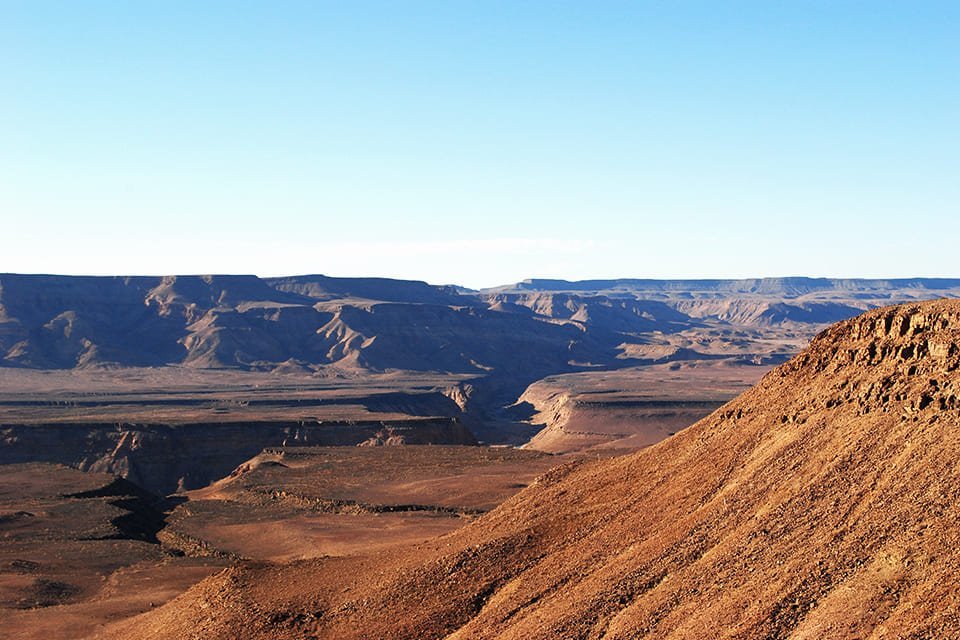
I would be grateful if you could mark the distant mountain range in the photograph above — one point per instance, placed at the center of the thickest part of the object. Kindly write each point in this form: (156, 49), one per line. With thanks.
(529, 328)
(785, 287)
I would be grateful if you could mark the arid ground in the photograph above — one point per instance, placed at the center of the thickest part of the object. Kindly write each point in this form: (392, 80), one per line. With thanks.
(324, 450)
(819, 504)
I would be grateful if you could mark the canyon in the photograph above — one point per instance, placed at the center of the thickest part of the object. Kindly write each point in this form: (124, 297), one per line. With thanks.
(174, 380)
(820, 503)
(286, 438)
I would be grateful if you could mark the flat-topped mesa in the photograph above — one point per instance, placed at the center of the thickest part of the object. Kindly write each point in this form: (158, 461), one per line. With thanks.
(791, 286)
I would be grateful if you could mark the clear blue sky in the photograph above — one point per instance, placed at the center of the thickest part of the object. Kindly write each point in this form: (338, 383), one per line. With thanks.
(481, 142)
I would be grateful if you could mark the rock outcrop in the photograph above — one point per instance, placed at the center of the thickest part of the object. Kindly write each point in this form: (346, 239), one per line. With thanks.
(166, 458)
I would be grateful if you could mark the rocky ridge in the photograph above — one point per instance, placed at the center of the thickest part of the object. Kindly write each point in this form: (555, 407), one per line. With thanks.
(373, 324)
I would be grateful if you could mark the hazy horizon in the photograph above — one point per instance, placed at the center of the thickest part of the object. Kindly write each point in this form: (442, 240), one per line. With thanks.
(491, 286)
(481, 144)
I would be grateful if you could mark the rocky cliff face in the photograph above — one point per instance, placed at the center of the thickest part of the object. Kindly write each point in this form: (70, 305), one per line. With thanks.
(571, 421)
(819, 504)
(61, 322)
(537, 327)
(168, 458)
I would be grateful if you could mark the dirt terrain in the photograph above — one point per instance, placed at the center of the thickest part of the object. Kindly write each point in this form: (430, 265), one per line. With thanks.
(820, 503)
(81, 550)
(628, 409)
(305, 502)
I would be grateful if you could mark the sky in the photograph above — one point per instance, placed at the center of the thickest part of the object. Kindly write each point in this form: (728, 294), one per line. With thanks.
(481, 143)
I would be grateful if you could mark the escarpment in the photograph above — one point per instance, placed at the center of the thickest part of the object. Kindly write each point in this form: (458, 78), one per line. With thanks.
(173, 457)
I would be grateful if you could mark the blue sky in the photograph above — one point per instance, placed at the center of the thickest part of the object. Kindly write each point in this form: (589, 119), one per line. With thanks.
(481, 142)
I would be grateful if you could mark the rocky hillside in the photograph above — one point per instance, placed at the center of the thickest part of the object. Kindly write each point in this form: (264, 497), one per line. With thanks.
(819, 504)
(374, 324)
(56, 322)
